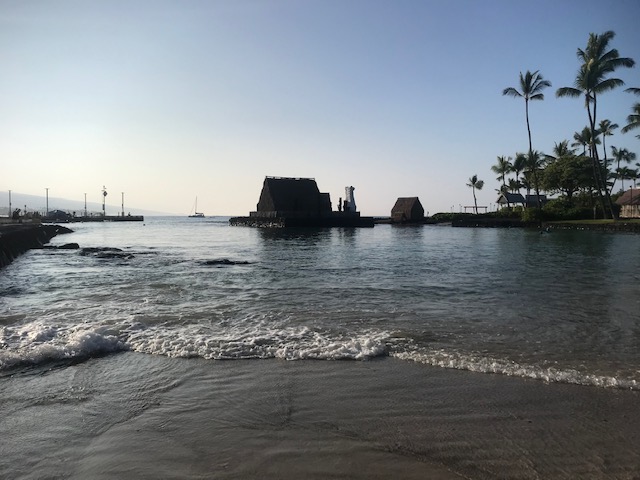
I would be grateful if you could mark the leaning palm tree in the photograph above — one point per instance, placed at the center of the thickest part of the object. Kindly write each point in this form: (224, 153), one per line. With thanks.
(476, 184)
(591, 80)
(531, 86)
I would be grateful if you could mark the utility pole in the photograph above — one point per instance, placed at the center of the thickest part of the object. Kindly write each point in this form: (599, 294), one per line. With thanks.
(10, 212)
(123, 204)
(85, 204)
(47, 189)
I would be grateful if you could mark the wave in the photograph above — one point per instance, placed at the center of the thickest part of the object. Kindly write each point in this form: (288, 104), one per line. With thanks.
(38, 343)
(482, 364)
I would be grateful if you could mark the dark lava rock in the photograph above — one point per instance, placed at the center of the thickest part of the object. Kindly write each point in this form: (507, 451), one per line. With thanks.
(106, 252)
(224, 261)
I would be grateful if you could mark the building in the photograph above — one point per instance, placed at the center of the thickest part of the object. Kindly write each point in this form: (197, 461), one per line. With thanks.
(629, 203)
(297, 202)
(507, 199)
(407, 209)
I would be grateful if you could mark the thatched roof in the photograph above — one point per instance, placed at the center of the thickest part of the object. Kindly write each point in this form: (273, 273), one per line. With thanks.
(630, 197)
(292, 195)
(407, 208)
(508, 197)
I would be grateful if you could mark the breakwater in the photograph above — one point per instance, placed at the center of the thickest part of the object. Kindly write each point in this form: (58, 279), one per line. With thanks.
(15, 239)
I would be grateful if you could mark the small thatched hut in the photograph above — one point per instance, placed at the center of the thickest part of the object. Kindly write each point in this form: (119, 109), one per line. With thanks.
(629, 203)
(407, 209)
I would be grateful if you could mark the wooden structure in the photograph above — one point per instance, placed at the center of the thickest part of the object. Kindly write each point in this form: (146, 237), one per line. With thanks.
(629, 203)
(508, 199)
(406, 210)
(297, 202)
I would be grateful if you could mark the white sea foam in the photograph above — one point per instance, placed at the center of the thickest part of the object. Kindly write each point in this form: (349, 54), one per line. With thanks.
(480, 364)
(36, 343)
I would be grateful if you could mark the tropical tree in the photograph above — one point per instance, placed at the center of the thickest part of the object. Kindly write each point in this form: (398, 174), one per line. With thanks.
(531, 86)
(621, 155)
(567, 174)
(534, 166)
(514, 185)
(518, 165)
(476, 184)
(582, 139)
(597, 62)
(606, 130)
(633, 119)
(502, 168)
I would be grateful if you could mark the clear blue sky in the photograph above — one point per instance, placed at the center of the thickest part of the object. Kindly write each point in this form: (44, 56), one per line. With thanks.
(166, 100)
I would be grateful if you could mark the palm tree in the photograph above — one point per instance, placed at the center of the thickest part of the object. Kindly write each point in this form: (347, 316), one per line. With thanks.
(535, 163)
(514, 185)
(531, 86)
(475, 184)
(633, 119)
(502, 168)
(518, 166)
(621, 155)
(606, 130)
(582, 139)
(591, 80)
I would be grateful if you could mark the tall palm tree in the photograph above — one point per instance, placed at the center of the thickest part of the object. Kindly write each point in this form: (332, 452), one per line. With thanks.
(633, 119)
(591, 80)
(531, 86)
(476, 184)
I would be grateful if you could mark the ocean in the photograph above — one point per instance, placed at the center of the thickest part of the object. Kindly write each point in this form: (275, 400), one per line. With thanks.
(200, 350)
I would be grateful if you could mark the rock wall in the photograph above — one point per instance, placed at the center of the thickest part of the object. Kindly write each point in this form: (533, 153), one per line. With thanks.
(16, 239)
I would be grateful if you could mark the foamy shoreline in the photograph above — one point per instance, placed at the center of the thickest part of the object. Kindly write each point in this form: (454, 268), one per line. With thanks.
(132, 415)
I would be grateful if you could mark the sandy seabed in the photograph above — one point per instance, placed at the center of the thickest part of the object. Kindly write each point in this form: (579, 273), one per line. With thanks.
(143, 416)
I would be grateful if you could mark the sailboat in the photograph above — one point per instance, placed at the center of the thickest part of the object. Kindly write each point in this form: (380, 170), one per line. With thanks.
(196, 213)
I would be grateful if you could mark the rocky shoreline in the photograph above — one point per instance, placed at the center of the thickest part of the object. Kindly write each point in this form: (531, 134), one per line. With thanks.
(16, 239)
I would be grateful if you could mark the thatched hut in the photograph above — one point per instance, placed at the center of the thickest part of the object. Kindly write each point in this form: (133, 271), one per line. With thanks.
(629, 203)
(407, 209)
(510, 199)
(297, 202)
(292, 197)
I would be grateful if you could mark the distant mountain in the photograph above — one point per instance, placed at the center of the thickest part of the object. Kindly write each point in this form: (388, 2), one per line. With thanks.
(39, 203)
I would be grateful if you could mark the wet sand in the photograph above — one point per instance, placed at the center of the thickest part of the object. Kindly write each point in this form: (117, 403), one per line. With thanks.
(141, 416)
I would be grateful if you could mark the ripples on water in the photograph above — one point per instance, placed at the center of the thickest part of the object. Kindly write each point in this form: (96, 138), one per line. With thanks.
(559, 307)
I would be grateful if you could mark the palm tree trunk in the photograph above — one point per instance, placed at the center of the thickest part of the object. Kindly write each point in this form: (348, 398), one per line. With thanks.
(475, 202)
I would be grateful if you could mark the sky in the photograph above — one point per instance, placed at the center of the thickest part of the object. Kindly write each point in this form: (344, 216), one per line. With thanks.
(169, 100)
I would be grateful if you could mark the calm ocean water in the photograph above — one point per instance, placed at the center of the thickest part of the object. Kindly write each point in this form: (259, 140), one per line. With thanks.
(559, 307)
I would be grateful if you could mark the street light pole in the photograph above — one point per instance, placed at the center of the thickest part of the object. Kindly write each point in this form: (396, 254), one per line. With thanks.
(10, 213)
(123, 204)
(85, 204)
(47, 189)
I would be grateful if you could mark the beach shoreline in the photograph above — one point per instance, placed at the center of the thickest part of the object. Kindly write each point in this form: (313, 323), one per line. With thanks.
(132, 415)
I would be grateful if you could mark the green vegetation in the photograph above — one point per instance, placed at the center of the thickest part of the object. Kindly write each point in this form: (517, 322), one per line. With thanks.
(580, 175)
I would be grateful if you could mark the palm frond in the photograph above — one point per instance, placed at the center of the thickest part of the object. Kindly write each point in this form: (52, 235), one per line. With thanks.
(568, 92)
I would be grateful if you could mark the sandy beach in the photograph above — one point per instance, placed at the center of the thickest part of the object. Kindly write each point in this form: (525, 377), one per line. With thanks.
(141, 416)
